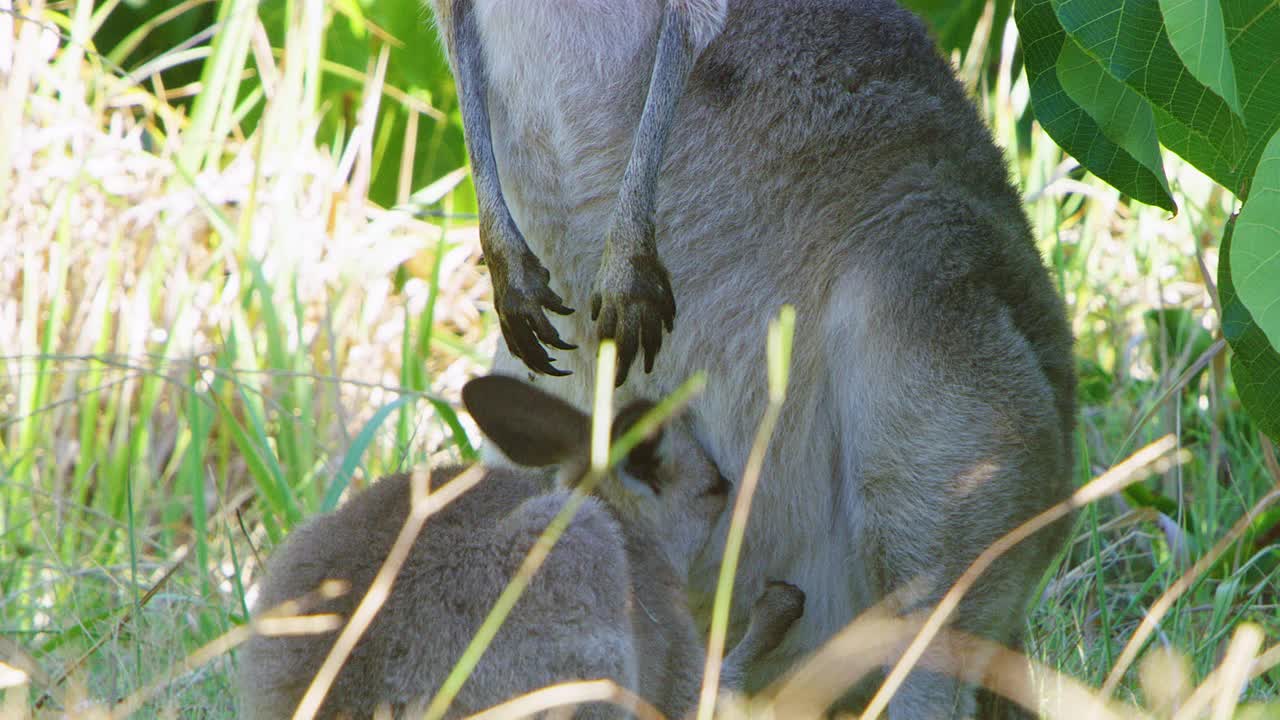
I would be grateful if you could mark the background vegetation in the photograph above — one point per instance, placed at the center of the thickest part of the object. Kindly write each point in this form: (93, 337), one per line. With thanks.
(239, 275)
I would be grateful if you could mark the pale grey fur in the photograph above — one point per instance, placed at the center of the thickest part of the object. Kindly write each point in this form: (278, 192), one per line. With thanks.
(820, 154)
(609, 601)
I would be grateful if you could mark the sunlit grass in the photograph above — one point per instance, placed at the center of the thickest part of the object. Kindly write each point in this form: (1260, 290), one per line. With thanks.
(208, 334)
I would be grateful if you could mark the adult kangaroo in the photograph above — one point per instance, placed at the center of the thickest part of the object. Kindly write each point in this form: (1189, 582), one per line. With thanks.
(678, 169)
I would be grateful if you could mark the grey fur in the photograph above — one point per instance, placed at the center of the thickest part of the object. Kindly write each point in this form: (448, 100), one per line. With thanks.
(822, 154)
(608, 602)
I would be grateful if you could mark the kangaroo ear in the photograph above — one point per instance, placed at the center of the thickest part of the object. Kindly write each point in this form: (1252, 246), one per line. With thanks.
(642, 463)
(528, 425)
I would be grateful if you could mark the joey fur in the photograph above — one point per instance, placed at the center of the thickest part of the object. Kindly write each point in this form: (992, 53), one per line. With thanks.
(608, 602)
(690, 166)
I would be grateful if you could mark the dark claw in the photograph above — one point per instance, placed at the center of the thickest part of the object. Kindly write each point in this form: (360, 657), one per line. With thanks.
(558, 307)
(547, 335)
(557, 343)
(548, 299)
(626, 353)
(522, 300)
(651, 340)
(531, 352)
(638, 305)
(669, 306)
(523, 343)
(508, 337)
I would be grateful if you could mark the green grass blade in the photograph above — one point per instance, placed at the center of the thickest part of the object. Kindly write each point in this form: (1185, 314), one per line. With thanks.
(355, 453)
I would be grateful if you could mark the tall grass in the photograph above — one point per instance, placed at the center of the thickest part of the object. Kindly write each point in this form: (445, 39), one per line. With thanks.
(209, 332)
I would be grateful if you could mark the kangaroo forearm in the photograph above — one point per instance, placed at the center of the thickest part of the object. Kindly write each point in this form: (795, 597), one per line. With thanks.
(673, 62)
(473, 96)
(521, 289)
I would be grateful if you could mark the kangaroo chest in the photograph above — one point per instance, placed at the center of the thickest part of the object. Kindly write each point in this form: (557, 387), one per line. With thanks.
(567, 81)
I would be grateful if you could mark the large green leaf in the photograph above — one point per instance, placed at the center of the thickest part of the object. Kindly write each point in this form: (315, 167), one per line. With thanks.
(1123, 116)
(1255, 364)
(1070, 125)
(1255, 254)
(1128, 38)
(1253, 29)
(1198, 33)
(1253, 36)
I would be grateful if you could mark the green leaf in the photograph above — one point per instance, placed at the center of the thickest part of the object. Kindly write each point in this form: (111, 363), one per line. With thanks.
(1253, 35)
(1255, 254)
(1198, 34)
(1255, 364)
(1253, 30)
(449, 416)
(1128, 39)
(1122, 115)
(1069, 124)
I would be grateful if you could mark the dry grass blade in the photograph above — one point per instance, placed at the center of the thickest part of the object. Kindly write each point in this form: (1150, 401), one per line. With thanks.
(1234, 671)
(1165, 677)
(14, 705)
(1131, 470)
(858, 649)
(14, 660)
(288, 618)
(568, 694)
(876, 637)
(1221, 688)
(1158, 609)
(299, 625)
(1205, 693)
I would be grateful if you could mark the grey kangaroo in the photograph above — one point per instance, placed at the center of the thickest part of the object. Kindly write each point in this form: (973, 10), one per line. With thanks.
(688, 166)
(609, 601)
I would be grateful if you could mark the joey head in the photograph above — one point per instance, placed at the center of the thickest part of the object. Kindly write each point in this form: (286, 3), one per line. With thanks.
(608, 602)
